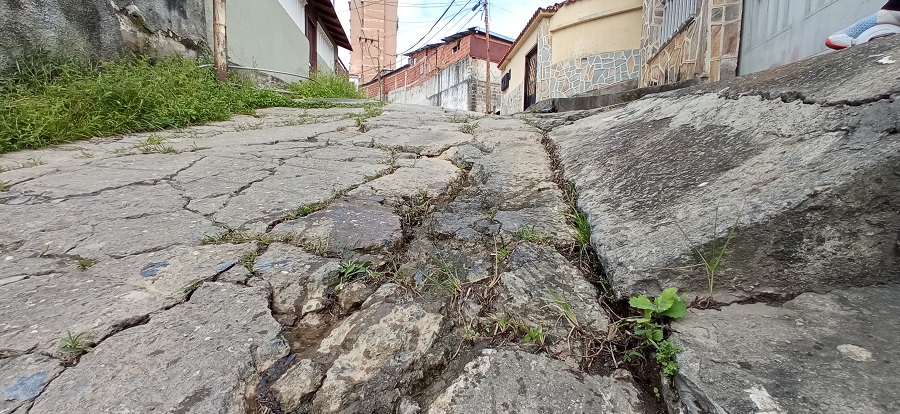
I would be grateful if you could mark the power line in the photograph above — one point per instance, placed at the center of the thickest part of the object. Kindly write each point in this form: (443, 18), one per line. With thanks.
(464, 7)
(432, 26)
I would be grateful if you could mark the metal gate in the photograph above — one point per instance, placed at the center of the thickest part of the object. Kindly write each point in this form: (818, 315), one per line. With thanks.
(530, 78)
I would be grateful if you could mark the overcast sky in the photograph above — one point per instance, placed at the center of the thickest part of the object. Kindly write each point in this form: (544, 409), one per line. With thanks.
(508, 18)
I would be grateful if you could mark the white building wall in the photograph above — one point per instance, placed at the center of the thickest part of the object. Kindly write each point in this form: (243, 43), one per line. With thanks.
(778, 32)
(448, 89)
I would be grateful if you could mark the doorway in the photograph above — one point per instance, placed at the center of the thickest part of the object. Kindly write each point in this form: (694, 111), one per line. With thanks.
(530, 77)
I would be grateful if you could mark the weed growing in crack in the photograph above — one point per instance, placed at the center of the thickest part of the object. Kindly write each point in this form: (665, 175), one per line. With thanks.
(413, 210)
(447, 284)
(467, 128)
(4, 185)
(501, 254)
(373, 111)
(191, 287)
(503, 324)
(446, 277)
(469, 334)
(565, 310)
(305, 210)
(84, 264)
(456, 119)
(579, 222)
(71, 346)
(529, 234)
(711, 265)
(32, 162)
(350, 269)
(154, 145)
(233, 236)
(248, 260)
(534, 335)
(317, 246)
(650, 329)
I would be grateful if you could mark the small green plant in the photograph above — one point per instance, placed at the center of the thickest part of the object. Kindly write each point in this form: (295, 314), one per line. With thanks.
(349, 269)
(447, 277)
(71, 346)
(154, 145)
(247, 260)
(579, 221)
(502, 324)
(32, 162)
(317, 246)
(4, 185)
(529, 234)
(306, 210)
(373, 110)
(665, 356)
(326, 85)
(712, 265)
(469, 334)
(191, 287)
(467, 128)
(563, 307)
(502, 254)
(650, 329)
(534, 335)
(84, 264)
(49, 98)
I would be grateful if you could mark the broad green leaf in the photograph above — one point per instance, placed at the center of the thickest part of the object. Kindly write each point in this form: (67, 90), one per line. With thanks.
(641, 302)
(678, 310)
(658, 335)
(666, 299)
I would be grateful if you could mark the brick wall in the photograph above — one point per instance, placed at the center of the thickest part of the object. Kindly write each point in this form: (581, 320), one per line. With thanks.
(427, 63)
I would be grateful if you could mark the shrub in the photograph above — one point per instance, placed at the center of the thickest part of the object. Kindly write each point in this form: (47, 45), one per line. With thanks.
(46, 100)
(326, 85)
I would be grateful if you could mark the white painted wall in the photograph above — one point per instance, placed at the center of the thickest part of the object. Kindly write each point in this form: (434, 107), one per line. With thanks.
(296, 9)
(778, 32)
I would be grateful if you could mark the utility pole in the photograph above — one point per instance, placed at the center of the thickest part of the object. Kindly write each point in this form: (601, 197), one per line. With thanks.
(220, 43)
(487, 84)
(377, 42)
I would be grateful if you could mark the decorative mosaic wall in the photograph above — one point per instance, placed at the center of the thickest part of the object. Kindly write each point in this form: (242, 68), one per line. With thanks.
(512, 99)
(682, 58)
(571, 77)
(706, 47)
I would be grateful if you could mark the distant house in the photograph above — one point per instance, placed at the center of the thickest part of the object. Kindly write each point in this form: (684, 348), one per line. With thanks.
(572, 47)
(291, 36)
(719, 39)
(451, 74)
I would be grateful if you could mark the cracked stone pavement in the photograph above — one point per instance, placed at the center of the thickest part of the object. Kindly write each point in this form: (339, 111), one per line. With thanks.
(122, 242)
(203, 265)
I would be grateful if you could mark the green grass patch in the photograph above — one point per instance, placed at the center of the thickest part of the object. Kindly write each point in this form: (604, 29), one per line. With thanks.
(326, 85)
(47, 100)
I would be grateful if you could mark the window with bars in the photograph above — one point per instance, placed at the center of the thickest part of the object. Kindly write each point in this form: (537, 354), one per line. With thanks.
(675, 15)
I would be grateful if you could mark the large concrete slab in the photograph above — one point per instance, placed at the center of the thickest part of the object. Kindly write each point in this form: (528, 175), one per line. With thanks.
(813, 186)
(202, 356)
(832, 353)
(518, 382)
